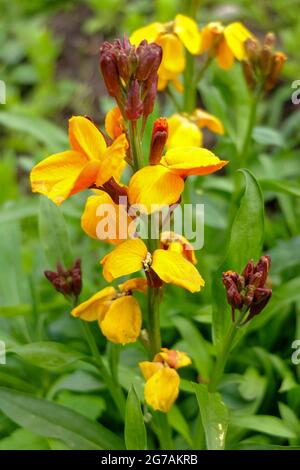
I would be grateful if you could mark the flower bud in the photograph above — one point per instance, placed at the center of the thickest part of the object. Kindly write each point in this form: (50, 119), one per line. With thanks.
(134, 104)
(66, 281)
(149, 91)
(109, 69)
(278, 62)
(149, 59)
(158, 140)
(263, 267)
(261, 298)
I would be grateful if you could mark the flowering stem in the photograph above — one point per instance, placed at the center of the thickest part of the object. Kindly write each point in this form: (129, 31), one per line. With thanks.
(113, 387)
(153, 320)
(222, 358)
(136, 146)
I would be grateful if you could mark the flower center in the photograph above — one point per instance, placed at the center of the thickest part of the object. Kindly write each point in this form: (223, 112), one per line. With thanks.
(147, 262)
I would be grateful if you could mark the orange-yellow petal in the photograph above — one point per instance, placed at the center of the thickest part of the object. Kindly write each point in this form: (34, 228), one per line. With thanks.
(188, 32)
(150, 33)
(183, 132)
(104, 220)
(162, 389)
(114, 123)
(225, 57)
(173, 268)
(86, 138)
(123, 320)
(63, 174)
(173, 358)
(178, 243)
(236, 34)
(135, 284)
(210, 36)
(173, 59)
(113, 161)
(204, 119)
(125, 259)
(96, 306)
(185, 161)
(154, 185)
(149, 368)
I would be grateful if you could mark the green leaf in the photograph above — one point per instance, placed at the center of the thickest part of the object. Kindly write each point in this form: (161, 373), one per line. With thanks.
(55, 421)
(135, 430)
(265, 424)
(267, 136)
(246, 241)
(214, 415)
(41, 129)
(10, 311)
(47, 354)
(178, 422)
(196, 345)
(281, 186)
(54, 234)
(22, 439)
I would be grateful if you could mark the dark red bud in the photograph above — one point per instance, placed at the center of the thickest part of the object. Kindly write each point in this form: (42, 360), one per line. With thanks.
(134, 105)
(149, 59)
(115, 190)
(158, 140)
(261, 298)
(263, 267)
(149, 93)
(248, 271)
(109, 69)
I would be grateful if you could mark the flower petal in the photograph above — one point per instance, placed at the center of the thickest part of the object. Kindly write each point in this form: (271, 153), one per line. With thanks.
(173, 358)
(178, 243)
(96, 306)
(125, 259)
(173, 59)
(123, 320)
(150, 33)
(149, 368)
(114, 123)
(136, 284)
(225, 57)
(185, 161)
(112, 161)
(204, 119)
(187, 30)
(63, 174)
(173, 268)
(235, 35)
(153, 185)
(102, 217)
(209, 35)
(182, 132)
(162, 389)
(86, 138)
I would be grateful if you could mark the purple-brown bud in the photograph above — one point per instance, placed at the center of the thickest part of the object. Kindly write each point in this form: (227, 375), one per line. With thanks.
(109, 69)
(149, 91)
(149, 59)
(134, 104)
(158, 140)
(66, 281)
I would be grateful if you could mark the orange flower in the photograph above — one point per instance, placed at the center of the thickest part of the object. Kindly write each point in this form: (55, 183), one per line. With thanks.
(90, 161)
(117, 311)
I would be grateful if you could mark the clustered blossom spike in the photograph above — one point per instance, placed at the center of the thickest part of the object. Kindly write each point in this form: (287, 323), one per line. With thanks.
(130, 75)
(66, 281)
(262, 65)
(248, 291)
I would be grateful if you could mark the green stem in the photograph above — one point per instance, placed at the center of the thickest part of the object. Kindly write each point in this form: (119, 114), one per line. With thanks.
(190, 94)
(154, 320)
(136, 146)
(113, 387)
(221, 361)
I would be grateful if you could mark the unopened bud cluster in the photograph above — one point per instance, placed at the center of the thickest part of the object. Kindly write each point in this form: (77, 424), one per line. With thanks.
(130, 75)
(247, 292)
(263, 65)
(66, 281)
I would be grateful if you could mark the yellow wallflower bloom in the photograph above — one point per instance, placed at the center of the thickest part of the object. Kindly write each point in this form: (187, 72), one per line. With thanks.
(162, 380)
(170, 266)
(117, 311)
(114, 123)
(90, 161)
(173, 37)
(112, 225)
(164, 183)
(174, 242)
(225, 42)
(185, 129)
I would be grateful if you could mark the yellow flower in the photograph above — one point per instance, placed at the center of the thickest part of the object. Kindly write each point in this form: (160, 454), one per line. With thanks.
(90, 161)
(225, 42)
(162, 380)
(114, 123)
(178, 243)
(163, 183)
(185, 130)
(173, 37)
(117, 311)
(104, 220)
(170, 266)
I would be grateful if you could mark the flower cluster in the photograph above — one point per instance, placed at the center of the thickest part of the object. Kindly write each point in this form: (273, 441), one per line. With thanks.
(248, 292)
